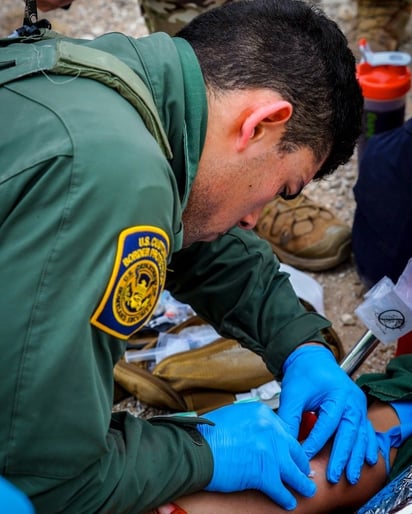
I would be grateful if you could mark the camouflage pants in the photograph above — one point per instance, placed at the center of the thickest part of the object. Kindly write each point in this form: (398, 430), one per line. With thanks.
(381, 22)
(171, 15)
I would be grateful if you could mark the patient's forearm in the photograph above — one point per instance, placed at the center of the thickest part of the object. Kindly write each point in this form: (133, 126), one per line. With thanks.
(329, 497)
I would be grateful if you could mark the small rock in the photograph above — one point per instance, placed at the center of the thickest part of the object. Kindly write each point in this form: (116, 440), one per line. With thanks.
(348, 319)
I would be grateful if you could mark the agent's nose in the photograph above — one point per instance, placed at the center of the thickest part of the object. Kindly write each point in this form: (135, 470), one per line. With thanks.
(249, 221)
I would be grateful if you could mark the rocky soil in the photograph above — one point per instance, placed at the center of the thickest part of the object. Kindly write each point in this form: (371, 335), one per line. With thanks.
(343, 291)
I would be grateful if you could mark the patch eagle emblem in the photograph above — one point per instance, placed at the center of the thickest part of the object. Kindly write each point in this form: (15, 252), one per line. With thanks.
(137, 280)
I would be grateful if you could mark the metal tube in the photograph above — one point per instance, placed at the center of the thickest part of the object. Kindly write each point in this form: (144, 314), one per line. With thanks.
(365, 346)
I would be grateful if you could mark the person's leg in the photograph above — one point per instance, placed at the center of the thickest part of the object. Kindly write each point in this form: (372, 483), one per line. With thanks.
(329, 497)
(170, 16)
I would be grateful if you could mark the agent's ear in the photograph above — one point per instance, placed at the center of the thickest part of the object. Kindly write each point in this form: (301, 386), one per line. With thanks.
(275, 114)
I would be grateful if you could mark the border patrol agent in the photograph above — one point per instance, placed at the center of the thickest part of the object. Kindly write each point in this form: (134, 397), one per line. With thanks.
(302, 233)
(102, 145)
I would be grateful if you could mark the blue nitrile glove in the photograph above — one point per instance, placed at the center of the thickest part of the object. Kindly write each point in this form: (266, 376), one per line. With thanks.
(397, 435)
(313, 381)
(13, 500)
(393, 438)
(252, 449)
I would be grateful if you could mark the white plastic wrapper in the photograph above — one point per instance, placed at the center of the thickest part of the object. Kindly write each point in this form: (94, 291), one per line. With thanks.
(387, 309)
(268, 394)
(305, 287)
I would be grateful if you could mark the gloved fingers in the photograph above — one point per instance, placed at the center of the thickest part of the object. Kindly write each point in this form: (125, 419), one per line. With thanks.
(328, 420)
(357, 457)
(291, 406)
(293, 472)
(280, 495)
(298, 480)
(364, 449)
(372, 448)
(384, 447)
(272, 485)
(299, 457)
(349, 443)
(406, 430)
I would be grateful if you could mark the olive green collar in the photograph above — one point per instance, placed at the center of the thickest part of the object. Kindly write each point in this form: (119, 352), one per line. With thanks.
(195, 111)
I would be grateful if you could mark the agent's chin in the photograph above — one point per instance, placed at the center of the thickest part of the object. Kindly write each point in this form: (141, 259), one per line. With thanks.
(209, 238)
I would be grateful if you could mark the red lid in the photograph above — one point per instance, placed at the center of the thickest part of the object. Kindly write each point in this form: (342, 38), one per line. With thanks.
(383, 82)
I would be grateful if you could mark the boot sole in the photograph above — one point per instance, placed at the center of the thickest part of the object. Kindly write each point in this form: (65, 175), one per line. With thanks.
(321, 264)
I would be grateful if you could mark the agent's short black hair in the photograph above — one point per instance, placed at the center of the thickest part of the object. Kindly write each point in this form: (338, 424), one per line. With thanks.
(291, 47)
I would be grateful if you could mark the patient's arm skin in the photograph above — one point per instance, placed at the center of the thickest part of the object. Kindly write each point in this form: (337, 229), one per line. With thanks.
(329, 497)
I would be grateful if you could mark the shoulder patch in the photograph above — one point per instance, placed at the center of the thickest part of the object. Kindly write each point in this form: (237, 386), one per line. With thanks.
(137, 280)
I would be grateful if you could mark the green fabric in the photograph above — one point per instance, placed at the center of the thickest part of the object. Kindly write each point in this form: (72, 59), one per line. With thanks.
(236, 286)
(394, 384)
(106, 68)
(116, 483)
(64, 58)
(77, 167)
(196, 114)
(75, 150)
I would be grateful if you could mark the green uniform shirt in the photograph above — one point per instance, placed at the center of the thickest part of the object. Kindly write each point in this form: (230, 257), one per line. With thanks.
(90, 217)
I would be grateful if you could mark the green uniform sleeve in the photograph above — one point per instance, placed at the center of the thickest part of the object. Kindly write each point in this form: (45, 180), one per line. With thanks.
(69, 186)
(235, 284)
(394, 384)
(172, 460)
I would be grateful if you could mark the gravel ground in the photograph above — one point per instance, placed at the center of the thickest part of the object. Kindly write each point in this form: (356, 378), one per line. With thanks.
(343, 291)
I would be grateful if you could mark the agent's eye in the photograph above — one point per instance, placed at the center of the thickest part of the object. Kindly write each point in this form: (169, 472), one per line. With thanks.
(284, 194)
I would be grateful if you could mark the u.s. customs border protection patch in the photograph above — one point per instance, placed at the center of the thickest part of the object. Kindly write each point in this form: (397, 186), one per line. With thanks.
(137, 280)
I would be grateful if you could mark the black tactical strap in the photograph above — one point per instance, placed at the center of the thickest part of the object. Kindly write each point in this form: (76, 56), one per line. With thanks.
(31, 23)
(30, 13)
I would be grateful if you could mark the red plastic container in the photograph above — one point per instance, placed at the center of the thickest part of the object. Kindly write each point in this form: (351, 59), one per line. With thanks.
(384, 88)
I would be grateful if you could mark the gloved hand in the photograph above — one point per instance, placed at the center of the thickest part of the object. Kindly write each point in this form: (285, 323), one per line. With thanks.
(393, 438)
(313, 381)
(252, 450)
(397, 435)
(13, 500)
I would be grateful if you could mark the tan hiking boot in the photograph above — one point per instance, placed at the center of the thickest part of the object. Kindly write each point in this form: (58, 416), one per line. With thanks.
(303, 234)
